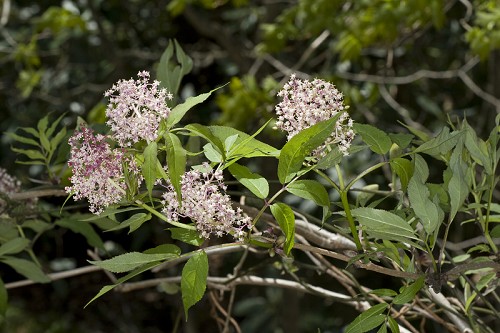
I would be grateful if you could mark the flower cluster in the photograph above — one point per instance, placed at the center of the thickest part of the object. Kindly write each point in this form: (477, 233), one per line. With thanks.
(97, 170)
(205, 204)
(307, 103)
(135, 109)
(8, 184)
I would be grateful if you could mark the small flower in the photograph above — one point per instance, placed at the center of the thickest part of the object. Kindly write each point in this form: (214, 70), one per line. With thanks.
(97, 170)
(307, 103)
(135, 109)
(204, 202)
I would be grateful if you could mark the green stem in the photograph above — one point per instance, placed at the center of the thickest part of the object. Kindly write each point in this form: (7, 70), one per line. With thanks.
(163, 217)
(29, 250)
(347, 209)
(487, 219)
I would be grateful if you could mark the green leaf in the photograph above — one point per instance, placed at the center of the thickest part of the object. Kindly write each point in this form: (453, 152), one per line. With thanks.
(176, 161)
(56, 140)
(331, 159)
(368, 320)
(478, 149)
(131, 260)
(165, 249)
(382, 329)
(286, 220)
(495, 232)
(26, 268)
(404, 169)
(23, 139)
(187, 236)
(420, 169)
(443, 143)
(245, 145)
(125, 278)
(384, 292)
(421, 204)
(383, 223)
(300, 146)
(110, 211)
(194, 280)
(257, 184)
(4, 301)
(134, 222)
(149, 166)
(13, 246)
(52, 127)
(180, 110)
(212, 154)
(458, 187)
(171, 72)
(31, 131)
(393, 325)
(30, 153)
(378, 141)
(206, 133)
(408, 293)
(83, 228)
(42, 124)
(403, 140)
(310, 189)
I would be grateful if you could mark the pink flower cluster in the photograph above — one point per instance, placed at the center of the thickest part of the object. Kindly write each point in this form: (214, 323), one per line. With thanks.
(97, 170)
(8, 184)
(135, 109)
(205, 204)
(307, 103)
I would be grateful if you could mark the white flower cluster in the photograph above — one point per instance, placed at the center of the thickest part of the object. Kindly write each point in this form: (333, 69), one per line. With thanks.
(8, 184)
(307, 103)
(206, 205)
(135, 109)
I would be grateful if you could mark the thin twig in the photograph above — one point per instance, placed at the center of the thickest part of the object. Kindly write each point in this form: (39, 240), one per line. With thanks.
(56, 276)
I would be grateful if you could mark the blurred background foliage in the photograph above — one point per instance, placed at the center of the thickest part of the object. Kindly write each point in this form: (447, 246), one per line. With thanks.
(413, 62)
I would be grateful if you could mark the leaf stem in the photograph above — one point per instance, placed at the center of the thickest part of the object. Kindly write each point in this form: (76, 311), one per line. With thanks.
(163, 217)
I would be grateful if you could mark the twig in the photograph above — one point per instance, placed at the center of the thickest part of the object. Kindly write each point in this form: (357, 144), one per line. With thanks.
(56, 276)
(38, 194)
(441, 300)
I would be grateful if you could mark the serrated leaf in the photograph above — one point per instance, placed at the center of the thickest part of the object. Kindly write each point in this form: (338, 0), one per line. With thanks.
(443, 143)
(383, 223)
(408, 292)
(30, 153)
(212, 154)
(83, 228)
(13, 246)
(286, 220)
(420, 169)
(421, 204)
(331, 159)
(125, 278)
(403, 140)
(129, 261)
(187, 236)
(133, 222)
(384, 292)
(56, 140)
(257, 184)
(245, 145)
(194, 280)
(180, 110)
(300, 146)
(23, 139)
(149, 166)
(310, 189)
(26, 268)
(368, 320)
(458, 188)
(31, 131)
(165, 249)
(393, 325)
(176, 161)
(404, 169)
(378, 141)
